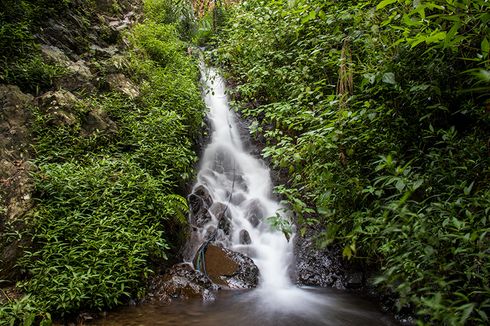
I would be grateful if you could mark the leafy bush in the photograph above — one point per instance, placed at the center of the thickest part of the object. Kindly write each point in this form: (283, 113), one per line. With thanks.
(177, 13)
(96, 229)
(378, 111)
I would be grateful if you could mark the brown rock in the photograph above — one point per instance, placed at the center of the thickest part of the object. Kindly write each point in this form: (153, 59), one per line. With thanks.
(15, 183)
(229, 268)
(181, 282)
(59, 106)
(120, 83)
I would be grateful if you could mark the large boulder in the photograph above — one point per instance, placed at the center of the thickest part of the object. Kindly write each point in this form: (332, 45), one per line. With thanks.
(229, 268)
(181, 282)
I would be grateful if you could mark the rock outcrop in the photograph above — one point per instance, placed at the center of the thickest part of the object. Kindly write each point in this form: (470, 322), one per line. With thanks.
(16, 185)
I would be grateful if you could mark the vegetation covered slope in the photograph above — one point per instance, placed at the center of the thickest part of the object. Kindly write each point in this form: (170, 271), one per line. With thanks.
(379, 110)
(110, 173)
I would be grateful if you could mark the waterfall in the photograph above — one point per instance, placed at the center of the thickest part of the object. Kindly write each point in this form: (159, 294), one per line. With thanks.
(242, 182)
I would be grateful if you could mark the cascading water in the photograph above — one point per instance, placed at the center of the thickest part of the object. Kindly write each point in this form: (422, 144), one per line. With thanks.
(235, 178)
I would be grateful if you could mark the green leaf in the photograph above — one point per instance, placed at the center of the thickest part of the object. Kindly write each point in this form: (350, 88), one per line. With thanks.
(384, 3)
(485, 47)
(389, 78)
(29, 319)
(467, 190)
(347, 252)
(400, 185)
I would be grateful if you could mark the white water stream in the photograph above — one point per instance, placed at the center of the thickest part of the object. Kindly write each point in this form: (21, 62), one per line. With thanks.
(242, 182)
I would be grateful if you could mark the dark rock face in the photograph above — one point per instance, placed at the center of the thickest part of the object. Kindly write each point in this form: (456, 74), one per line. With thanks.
(326, 267)
(199, 202)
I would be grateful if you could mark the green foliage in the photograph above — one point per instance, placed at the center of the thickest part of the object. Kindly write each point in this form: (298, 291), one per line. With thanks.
(97, 227)
(32, 74)
(26, 311)
(20, 61)
(176, 12)
(378, 111)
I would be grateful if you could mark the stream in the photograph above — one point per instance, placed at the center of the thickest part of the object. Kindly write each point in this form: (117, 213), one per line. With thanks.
(242, 182)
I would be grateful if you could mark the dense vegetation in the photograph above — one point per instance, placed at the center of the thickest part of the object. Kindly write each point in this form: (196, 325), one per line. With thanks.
(20, 59)
(109, 203)
(379, 111)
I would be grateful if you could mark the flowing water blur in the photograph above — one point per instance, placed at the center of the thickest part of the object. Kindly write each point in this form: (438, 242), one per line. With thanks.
(236, 179)
(244, 308)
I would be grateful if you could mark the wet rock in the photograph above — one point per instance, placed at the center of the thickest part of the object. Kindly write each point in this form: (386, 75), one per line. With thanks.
(120, 83)
(210, 233)
(59, 106)
(244, 237)
(221, 212)
(181, 282)
(240, 182)
(255, 212)
(53, 55)
(231, 269)
(318, 267)
(237, 198)
(199, 202)
(98, 120)
(203, 192)
(354, 280)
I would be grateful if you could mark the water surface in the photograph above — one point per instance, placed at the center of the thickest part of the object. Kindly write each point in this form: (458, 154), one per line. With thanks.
(247, 308)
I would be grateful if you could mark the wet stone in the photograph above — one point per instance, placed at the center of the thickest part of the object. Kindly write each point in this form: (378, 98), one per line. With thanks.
(229, 268)
(244, 237)
(354, 280)
(237, 198)
(200, 201)
(255, 213)
(181, 282)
